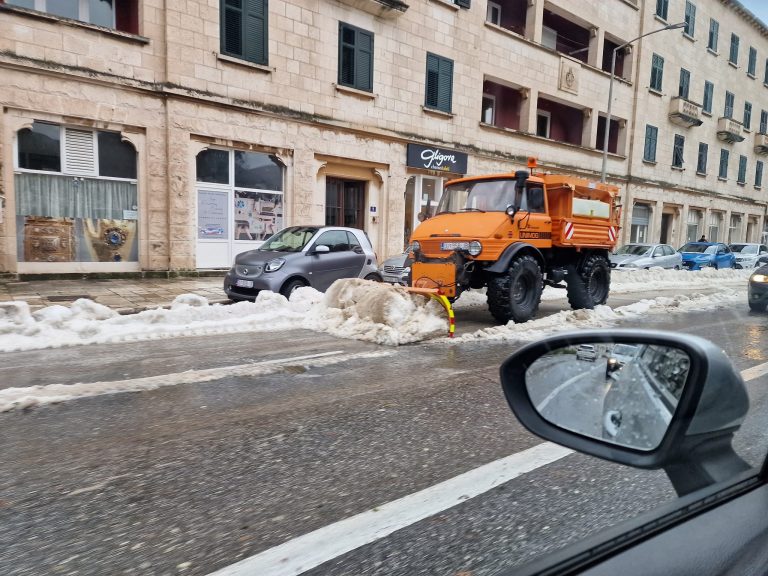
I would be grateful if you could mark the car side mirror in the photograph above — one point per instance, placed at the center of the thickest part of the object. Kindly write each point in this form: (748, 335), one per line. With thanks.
(321, 249)
(650, 399)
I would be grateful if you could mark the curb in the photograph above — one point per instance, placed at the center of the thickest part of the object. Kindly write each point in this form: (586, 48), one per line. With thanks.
(130, 311)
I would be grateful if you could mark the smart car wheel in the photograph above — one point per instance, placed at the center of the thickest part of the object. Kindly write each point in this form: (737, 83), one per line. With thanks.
(291, 286)
(373, 277)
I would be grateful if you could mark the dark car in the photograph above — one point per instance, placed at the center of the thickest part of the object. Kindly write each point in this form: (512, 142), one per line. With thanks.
(299, 256)
(698, 255)
(757, 293)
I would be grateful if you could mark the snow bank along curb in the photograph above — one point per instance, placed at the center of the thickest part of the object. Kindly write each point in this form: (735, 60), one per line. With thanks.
(20, 398)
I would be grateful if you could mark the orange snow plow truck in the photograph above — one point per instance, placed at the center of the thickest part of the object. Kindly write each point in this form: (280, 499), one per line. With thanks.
(513, 234)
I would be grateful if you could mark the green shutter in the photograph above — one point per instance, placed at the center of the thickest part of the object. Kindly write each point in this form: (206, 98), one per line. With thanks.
(232, 27)
(433, 76)
(255, 31)
(364, 60)
(439, 83)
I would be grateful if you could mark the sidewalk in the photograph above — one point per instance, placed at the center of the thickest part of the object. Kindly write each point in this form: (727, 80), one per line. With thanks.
(124, 295)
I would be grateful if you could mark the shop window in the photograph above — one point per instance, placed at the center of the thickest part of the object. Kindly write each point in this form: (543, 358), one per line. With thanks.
(439, 88)
(120, 15)
(641, 219)
(715, 222)
(692, 228)
(76, 195)
(355, 57)
(258, 171)
(344, 203)
(244, 29)
(734, 230)
(213, 166)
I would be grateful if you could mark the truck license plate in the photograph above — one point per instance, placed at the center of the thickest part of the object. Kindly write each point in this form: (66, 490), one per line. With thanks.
(454, 245)
(244, 283)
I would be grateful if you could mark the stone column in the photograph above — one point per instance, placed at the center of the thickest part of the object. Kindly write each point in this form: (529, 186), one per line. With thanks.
(528, 108)
(596, 45)
(534, 20)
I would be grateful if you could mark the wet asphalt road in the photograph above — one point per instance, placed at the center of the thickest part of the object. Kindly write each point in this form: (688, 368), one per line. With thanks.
(188, 479)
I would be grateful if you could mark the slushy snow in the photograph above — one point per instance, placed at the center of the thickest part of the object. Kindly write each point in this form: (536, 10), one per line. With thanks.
(352, 308)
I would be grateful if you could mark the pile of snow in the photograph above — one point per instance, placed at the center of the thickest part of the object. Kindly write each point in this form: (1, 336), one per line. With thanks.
(355, 308)
(604, 316)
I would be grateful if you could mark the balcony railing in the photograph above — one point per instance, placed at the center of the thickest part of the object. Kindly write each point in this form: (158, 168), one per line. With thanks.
(761, 144)
(684, 112)
(729, 130)
(379, 8)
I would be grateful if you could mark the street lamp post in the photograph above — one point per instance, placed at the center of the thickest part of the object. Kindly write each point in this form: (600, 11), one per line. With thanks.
(610, 91)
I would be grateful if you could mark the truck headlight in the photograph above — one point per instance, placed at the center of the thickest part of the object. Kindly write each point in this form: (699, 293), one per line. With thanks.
(274, 265)
(475, 248)
(416, 246)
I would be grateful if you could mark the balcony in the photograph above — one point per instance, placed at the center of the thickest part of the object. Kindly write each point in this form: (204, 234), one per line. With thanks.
(729, 130)
(379, 8)
(761, 144)
(685, 113)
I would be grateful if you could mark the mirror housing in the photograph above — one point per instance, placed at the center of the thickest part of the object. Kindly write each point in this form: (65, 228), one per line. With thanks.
(696, 449)
(321, 249)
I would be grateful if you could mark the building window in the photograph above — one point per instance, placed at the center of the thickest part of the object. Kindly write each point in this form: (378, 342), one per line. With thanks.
(723, 171)
(729, 100)
(715, 222)
(733, 56)
(543, 122)
(742, 177)
(763, 121)
(120, 15)
(355, 57)
(765, 78)
(678, 151)
(488, 114)
(649, 150)
(244, 29)
(709, 90)
(662, 8)
(493, 13)
(690, 19)
(685, 83)
(439, 83)
(759, 173)
(79, 184)
(657, 72)
(752, 62)
(747, 115)
(641, 219)
(701, 163)
(694, 220)
(734, 230)
(714, 31)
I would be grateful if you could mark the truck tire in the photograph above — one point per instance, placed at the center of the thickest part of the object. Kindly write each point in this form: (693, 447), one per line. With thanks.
(516, 294)
(590, 284)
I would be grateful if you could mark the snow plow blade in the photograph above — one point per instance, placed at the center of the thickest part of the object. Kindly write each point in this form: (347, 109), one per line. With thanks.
(434, 294)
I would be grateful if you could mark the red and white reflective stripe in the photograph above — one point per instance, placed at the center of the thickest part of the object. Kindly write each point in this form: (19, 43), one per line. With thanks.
(568, 230)
(612, 233)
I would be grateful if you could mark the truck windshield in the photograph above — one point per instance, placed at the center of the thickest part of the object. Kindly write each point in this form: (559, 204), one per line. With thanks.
(487, 195)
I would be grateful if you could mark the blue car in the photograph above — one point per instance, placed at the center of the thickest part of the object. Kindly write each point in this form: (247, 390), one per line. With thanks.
(698, 255)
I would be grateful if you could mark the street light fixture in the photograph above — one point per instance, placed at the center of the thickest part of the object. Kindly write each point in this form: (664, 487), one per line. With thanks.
(610, 90)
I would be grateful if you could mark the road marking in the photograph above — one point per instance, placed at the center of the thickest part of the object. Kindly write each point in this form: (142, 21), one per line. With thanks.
(311, 550)
(552, 395)
(755, 372)
(17, 398)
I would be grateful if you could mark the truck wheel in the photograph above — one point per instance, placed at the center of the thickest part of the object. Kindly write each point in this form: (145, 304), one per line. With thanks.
(516, 294)
(589, 287)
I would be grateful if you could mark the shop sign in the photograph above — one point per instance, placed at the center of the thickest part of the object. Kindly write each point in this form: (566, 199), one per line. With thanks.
(433, 158)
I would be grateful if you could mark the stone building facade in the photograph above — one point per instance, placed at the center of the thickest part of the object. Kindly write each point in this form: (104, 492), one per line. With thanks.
(142, 135)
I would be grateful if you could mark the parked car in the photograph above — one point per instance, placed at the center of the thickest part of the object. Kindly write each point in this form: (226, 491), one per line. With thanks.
(299, 256)
(698, 255)
(586, 352)
(748, 254)
(397, 269)
(757, 293)
(637, 256)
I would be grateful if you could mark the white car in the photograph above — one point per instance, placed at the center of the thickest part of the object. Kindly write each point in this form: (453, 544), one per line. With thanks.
(748, 254)
(586, 352)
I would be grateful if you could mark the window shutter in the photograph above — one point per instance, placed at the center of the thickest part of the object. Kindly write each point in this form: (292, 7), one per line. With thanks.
(463, 3)
(232, 28)
(255, 31)
(79, 157)
(433, 75)
(364, 60)
(444, 98)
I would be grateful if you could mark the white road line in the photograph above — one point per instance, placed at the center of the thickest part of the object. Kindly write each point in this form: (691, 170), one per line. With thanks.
(17, 398)
(311, 550)
(552, 395)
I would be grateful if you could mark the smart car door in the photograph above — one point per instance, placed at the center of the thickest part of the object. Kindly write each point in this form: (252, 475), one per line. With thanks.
(340, 261)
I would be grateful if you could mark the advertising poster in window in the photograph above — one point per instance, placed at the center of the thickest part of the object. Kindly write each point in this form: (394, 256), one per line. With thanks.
(212, 215)
(47, 239)
(258, 215)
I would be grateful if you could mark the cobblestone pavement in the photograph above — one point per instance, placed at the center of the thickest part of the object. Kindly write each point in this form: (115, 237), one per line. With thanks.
(123, 295)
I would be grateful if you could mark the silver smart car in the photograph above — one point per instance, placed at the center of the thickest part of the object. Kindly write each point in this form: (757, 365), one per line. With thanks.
(299, 256)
